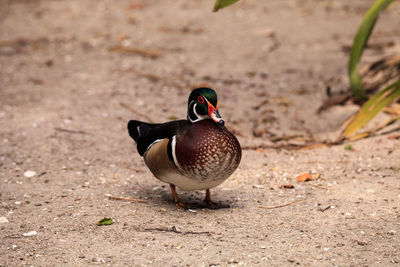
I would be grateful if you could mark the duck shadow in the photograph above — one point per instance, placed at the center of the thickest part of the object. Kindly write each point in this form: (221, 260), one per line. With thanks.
(193, 200)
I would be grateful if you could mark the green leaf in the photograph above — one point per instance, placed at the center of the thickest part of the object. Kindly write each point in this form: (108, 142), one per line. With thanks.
(105, 221)
(348, 147)
(359, 43)
(372, 107)
(223, 3)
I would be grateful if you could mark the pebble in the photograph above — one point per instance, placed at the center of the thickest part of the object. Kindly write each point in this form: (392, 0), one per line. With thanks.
(362, 243)
(3, 220)
(258, 186)
(31, 233)
(29, 174)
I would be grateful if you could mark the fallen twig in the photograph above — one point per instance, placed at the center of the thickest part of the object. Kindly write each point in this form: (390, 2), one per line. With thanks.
(283, 205)
(276, 139)
(127, 199)
(312, 146)
(131, 168)
(283, 146)
(70, 131)
(325, 209)
(174, 230)
(135, 50)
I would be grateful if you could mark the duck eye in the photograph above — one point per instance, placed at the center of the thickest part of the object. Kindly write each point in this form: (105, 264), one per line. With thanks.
(200, 99)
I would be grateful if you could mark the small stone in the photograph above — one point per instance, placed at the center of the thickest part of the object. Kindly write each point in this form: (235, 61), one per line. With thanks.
(258, 186)
(362, 243)
(31, 233)
(29, 174)
(3, 220)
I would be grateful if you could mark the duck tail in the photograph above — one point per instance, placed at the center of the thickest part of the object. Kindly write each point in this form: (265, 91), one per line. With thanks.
(138, 129)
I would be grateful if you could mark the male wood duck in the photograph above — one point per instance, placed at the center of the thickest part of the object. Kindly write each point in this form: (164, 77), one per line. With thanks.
(193, 154)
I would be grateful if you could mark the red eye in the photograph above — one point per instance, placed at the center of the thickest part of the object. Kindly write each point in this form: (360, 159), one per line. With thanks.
(200, 99)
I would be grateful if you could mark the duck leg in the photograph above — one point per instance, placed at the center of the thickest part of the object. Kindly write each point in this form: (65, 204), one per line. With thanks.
(207, 200)
(211, 205)
(176, 198)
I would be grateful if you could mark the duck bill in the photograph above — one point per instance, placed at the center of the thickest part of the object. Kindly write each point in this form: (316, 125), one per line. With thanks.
(214, 114)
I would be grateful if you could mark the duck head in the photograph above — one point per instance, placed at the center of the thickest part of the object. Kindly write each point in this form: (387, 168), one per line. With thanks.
(202, 105)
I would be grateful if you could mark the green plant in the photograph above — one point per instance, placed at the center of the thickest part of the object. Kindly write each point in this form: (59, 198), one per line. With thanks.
(359, 43)
(223, 3)
(348, 147)
(372, 107)
(384, 97)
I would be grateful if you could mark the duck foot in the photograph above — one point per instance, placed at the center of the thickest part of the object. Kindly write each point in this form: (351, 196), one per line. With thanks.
(212, 205)
(176, 200)
(207, 203)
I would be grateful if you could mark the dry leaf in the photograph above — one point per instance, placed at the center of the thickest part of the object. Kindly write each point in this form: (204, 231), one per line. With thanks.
(304, 177)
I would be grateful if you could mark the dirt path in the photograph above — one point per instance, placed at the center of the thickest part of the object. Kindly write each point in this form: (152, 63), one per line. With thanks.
(67, 89)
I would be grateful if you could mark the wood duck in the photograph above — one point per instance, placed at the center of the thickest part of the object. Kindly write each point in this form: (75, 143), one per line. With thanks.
(193, 154)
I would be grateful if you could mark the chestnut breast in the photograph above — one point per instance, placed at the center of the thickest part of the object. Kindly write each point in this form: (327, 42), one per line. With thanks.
(207, 151)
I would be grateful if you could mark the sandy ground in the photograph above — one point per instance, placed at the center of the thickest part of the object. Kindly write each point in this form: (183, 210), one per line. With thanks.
(67, 90)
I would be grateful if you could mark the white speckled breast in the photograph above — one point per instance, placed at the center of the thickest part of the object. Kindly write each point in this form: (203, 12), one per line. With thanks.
(208, 153)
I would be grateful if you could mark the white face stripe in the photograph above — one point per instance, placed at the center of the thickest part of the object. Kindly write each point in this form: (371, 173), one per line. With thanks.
(199, 117)
(173, 145)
